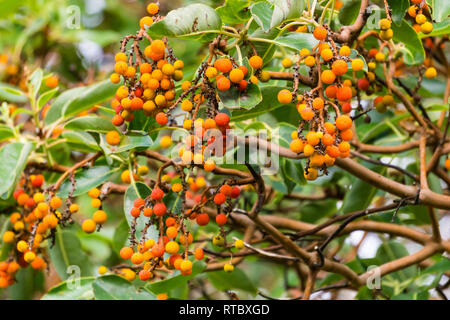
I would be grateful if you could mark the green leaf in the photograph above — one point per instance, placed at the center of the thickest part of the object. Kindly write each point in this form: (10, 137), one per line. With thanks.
(14, 158)
(24, 287)
(113, 287)
(290, 185)
(193, 22)
(87, 179)
(68, 290)
(413, 52)
(90, 123)
(36, 81)
(134, 191)
(67, 253)
(293, 170)
(296, 41)
(269, 102)
(74, 101)
(390, 251)
(169, 284)
(265, 49)
(6, 132)
(349, 12)
(398, 8)
(441, 10)
(441, 266)
(132, 142)
(234, 280)
(12, 94)
(312, 211)
(120, 235)
(234, 11)
(361, 193)
(46, 96)
(286, 9)
(81, 141)
(234, 99)
(262, 14)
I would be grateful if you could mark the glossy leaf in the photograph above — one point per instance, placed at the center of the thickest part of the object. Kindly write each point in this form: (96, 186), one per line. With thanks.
(90, 123)
(193, 22)
(12, 94)
(228, 281)
(234, 11)
(169, 284)
(76, 100)
(441, 10)
(234, 99)
(262, 14)
(73, 289)
(286, 9)
(67, 256)
(14, 158)
(113, 287)
(87, 179)
(399, 8)
(413, 52)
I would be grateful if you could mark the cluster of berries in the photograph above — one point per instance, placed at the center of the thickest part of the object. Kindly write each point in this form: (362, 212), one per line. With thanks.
(324, 141)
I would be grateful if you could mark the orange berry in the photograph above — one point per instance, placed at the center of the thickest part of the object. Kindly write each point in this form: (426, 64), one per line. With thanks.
(328, 76)
(343, 122)
(306, 113)
(318, 103)
(152, 8)
(89, 226)
(224, 65)
(51, 82)
(344, 93)
(284, 96)
(331, 91)
(236, 75)
(320, 33)
(344, 147)
(158, 47)
(199, 254)
(113, 138)
(347, 135)
(297, 146)
(256, 62)
(447, 164)
(223, 84)
(326, 54)
(126, 253)
(339, 67)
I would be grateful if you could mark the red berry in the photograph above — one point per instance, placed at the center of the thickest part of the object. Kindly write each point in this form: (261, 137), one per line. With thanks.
(38, 181)
(219, 198)
(159, 209)
(363, 84)
(135, 212)
(157, 194)
(226, 190)
(222, 119)
(139, 202)
(144, 275)
(221, 219)
(235, 192)
(161, 118)
(202, 219)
